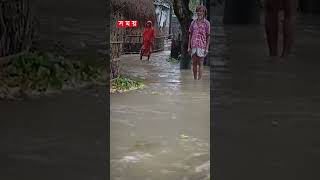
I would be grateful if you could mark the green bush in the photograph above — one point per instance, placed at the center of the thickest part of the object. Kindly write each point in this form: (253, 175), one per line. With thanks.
(42, 71)
(124, 84)
(173, 60)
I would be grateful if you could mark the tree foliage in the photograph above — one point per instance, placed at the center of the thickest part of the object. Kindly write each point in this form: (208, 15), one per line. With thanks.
(193, 5)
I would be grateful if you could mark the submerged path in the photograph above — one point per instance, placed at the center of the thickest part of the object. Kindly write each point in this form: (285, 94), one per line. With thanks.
(162, 131)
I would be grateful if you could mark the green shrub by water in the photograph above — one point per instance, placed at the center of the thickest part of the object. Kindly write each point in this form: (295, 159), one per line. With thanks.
(173, 60)
(42, 71)
(124, 84)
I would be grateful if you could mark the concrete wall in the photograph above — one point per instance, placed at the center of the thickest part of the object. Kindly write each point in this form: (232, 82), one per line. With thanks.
(163, 18)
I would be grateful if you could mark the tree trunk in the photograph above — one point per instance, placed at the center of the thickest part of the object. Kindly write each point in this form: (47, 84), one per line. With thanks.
(241, 12)
(181, 9)
(170, 21)
(175, 47)
(207, 58)
(16, 27)
(207, 4)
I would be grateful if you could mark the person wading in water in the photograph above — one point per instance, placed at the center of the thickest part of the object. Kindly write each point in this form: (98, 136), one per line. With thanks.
(148, 41)
(199, 39)
(273, 8)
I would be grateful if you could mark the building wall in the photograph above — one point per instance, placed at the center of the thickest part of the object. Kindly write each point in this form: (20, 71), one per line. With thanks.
(163, 18)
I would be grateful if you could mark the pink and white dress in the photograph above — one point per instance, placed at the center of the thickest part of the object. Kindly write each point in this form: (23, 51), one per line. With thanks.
(199, 30)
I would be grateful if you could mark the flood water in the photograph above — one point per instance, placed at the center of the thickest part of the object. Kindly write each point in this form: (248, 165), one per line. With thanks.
(62, 136)
(266, 110)
(161, 131)
(264, 117)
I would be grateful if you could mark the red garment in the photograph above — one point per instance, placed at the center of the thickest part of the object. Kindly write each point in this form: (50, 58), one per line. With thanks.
(148, 38)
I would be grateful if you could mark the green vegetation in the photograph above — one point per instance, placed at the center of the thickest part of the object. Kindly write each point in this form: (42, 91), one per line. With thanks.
(193, 5)
(173, 60)
(42, 72)
(123, 84)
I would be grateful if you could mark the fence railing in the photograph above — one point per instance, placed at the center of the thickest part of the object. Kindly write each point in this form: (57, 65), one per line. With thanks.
(130, 45)
(133, 43)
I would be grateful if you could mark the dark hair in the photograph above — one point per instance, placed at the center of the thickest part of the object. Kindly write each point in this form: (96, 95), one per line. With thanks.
(201, 7)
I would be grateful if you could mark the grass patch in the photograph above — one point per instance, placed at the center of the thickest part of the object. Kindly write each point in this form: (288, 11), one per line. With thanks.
(123, 84)
(38, 73)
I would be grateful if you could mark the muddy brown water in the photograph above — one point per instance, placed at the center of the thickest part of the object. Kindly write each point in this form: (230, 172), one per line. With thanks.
(62, 136)
(161, 131)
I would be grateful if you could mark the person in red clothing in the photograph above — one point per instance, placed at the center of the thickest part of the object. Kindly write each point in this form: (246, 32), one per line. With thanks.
(148, 40)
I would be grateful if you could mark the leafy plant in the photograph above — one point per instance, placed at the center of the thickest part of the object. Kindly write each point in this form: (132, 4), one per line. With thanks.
(40, 72)
(124, 84)
(173, 60)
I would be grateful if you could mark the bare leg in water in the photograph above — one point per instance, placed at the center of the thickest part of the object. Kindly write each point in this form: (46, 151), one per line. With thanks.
(195, 66)
(151, 50)
(200, 64)
(289, 7)
(272, 25)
